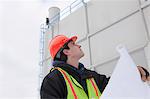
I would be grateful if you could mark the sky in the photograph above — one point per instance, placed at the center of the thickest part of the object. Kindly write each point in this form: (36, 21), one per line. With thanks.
(19, 45)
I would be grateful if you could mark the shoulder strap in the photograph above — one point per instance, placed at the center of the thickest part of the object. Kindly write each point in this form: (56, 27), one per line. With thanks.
(68, 80)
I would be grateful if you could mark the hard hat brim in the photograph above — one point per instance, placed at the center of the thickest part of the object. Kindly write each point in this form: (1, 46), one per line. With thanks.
(74, 38)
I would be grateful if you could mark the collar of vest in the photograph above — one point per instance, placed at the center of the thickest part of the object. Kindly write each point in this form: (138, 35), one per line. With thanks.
(81, 73)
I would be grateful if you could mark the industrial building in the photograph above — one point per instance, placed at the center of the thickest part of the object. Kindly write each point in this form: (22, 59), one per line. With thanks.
(101, 25)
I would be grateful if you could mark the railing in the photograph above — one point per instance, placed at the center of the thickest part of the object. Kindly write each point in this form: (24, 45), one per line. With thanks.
(68, 10)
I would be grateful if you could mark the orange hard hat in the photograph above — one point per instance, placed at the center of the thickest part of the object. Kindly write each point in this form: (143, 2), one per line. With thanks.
(58, 42)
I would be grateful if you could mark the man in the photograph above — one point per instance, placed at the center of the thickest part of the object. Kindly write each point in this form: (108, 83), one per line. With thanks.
(69, 79)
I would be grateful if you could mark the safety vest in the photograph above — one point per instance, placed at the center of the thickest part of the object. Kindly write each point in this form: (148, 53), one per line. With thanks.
(76, 91)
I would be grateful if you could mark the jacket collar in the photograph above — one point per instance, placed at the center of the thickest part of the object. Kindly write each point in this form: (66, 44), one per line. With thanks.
(58, 63)
(80, 73)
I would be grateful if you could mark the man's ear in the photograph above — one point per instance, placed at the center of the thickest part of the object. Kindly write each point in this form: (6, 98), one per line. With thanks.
(66, 52)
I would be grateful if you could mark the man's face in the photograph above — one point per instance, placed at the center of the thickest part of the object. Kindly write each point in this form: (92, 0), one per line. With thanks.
(75, 50)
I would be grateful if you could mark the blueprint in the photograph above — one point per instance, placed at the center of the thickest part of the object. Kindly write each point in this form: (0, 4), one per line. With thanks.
(125, 82)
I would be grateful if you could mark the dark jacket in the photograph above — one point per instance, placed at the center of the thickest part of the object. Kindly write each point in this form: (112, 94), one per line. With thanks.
(54, 86)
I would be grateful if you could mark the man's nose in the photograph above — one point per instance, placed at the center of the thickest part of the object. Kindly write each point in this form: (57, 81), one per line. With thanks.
(79, 46)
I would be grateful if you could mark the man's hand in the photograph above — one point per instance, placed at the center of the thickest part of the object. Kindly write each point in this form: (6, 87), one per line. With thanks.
(145, 76)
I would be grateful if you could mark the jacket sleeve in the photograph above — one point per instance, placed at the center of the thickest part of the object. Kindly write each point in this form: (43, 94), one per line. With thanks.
(101, 81)
(53, 86)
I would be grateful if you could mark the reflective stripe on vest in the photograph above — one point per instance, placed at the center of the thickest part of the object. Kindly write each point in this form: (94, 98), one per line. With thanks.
(70, 84)
(75, 90)
(94, 85)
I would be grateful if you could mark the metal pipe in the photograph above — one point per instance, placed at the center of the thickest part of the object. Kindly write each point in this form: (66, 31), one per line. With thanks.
(147, 48)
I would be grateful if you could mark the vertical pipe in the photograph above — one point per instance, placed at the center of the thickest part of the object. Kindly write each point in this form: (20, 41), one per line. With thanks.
(87, 37)
(54, 17)
(147, 47)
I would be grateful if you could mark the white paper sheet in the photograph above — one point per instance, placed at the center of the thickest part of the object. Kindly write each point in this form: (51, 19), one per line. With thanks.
(125, 82)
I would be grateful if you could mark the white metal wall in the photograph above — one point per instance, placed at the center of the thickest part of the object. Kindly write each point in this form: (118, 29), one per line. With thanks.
(103, 24)
(74, 24)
